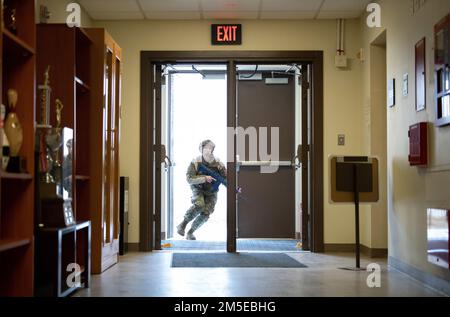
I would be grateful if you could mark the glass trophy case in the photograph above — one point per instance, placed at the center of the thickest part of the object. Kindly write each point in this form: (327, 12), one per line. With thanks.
(54, 157)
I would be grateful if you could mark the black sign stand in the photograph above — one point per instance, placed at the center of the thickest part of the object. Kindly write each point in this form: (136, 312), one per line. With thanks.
(354, 174)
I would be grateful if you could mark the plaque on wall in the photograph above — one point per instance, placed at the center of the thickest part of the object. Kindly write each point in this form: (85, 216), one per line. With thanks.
(420, 75)
(391, 92)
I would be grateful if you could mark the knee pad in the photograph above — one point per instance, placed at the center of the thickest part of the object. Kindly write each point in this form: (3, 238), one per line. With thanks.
(199, 203)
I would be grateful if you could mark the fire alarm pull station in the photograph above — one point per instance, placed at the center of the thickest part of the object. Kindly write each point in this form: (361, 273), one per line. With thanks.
(418, 144)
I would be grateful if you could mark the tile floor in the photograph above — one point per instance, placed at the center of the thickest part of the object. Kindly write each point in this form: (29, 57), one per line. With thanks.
(151, 274)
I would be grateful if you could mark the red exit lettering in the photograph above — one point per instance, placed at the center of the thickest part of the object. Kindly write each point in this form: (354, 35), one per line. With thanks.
(226, 33)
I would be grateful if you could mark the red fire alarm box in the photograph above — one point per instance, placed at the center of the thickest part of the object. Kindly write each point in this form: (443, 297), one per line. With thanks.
(418, 144)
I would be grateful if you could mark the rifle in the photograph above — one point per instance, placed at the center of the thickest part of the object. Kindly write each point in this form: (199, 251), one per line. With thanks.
(218, 178)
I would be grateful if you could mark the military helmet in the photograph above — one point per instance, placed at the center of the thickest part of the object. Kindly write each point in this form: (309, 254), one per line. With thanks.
(205, 143)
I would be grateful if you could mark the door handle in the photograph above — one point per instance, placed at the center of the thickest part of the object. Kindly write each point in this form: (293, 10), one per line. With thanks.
(167, 162)
(164, 158)
(297, 157)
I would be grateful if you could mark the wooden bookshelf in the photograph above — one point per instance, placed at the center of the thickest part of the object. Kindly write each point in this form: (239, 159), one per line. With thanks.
(86, 77)
(70, 78)
(17, 71)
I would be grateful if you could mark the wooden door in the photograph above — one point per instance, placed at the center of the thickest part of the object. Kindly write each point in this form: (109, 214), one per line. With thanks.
(110, 222)
(116, 137)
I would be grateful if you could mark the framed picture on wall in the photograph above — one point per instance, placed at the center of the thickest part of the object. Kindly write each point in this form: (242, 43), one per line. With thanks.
(442, 71)
(391, 92)
(420, 75)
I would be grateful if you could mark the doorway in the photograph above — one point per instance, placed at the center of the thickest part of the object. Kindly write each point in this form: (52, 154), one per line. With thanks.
(194, 109)
(310, 150)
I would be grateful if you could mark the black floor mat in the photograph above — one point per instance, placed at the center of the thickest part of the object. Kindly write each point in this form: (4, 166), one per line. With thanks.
(235, 260)
(242, 245)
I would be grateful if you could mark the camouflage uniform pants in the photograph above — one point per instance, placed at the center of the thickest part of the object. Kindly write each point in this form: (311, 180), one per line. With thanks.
(202, 207)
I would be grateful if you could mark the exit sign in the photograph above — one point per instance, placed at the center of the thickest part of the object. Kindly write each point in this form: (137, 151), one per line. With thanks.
(226, 34)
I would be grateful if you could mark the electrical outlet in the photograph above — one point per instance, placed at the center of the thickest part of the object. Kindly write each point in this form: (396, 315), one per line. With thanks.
(341, 139)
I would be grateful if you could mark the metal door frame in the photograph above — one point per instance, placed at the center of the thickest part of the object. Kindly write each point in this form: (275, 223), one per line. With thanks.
(148, 122)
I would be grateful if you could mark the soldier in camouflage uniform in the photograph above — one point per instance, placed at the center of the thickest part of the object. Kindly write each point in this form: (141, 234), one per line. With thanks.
(203, 199)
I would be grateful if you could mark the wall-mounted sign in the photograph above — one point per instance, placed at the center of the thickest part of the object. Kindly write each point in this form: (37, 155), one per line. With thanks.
(391, 92)
(226, 34)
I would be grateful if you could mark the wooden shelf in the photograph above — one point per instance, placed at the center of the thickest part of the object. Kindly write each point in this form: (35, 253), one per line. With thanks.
(83, 37)
(72, 244)
(82, 178)
(14, 46)
(80, 84)
(18, 71)
(18, 176)
(8, 244)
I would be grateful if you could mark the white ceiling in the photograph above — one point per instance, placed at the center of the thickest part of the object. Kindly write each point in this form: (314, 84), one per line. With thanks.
(222, 9)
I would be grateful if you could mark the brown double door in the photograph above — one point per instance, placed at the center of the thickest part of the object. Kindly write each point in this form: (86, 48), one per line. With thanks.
(267, 208)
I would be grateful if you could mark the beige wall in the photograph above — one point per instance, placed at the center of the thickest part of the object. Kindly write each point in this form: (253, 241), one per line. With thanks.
(343, 112)
(410, 190)
(374, 217)
(351, 107)
(58, 12)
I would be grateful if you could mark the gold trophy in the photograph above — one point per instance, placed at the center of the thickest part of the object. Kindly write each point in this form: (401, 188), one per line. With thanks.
(14, 132)
(49, 140)
(57, 139)
(53, 143)
(45, 100)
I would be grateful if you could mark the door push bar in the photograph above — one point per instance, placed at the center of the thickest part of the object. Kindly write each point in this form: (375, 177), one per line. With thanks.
(264, 163)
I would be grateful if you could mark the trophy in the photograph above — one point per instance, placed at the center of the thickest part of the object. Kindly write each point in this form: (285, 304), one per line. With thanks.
(14, 133)
(54, 145)
(55, 141)
(49, 142)
(45, 98)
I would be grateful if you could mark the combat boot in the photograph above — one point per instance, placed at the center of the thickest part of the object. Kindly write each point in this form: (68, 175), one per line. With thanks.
(190, 236)
(181, 227)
